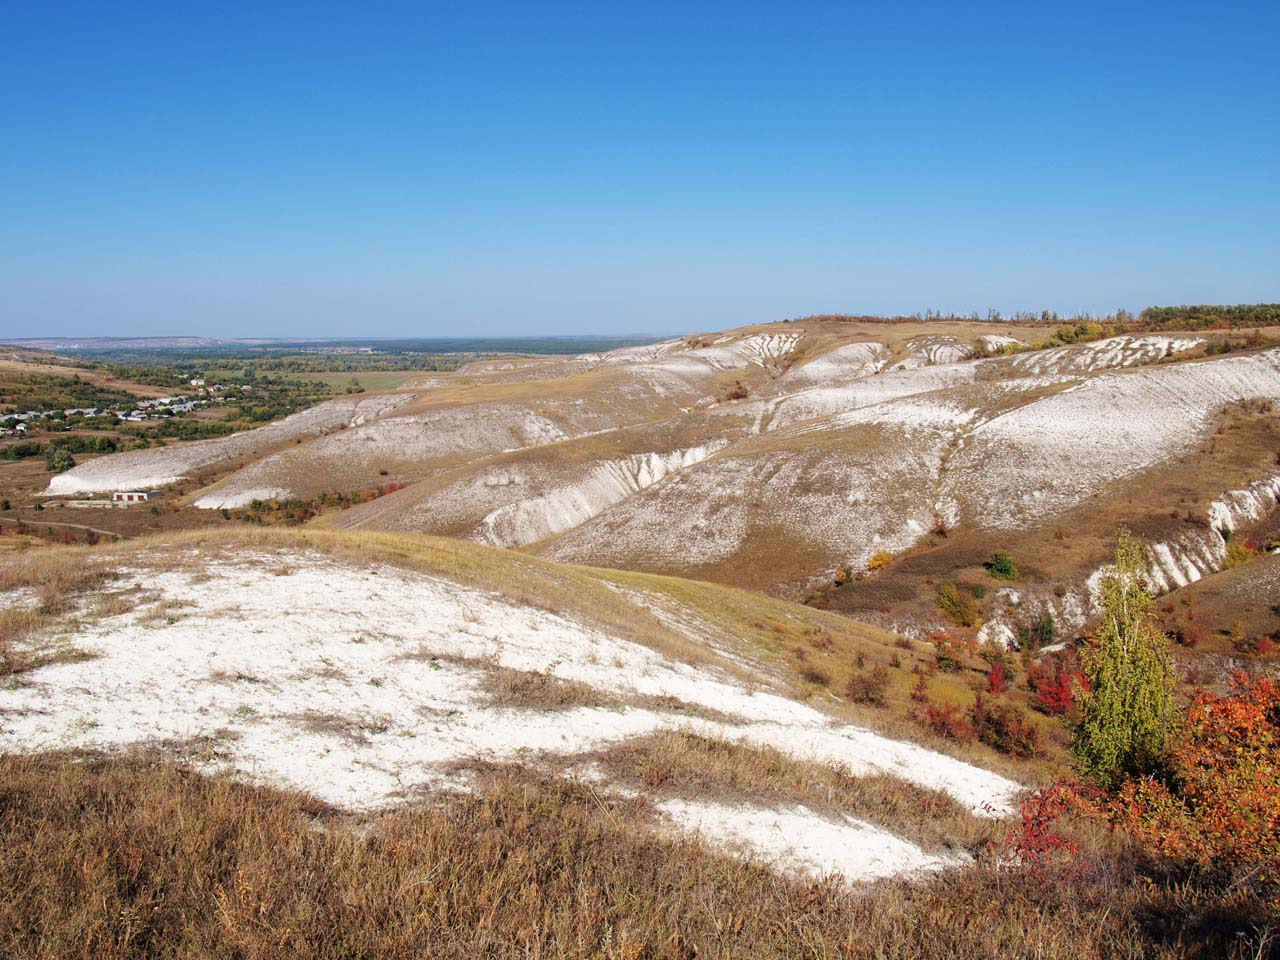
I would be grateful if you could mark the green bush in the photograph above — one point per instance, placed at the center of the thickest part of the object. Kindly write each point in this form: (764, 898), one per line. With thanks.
(1042, 632)
(1001, 566)
(58, 459)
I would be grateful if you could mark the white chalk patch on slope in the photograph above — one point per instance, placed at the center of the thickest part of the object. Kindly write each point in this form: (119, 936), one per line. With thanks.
(566, 507)
(362, 685)
(158, 466)
(796, 838)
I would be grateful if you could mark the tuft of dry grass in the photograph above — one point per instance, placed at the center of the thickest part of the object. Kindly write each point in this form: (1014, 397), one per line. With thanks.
(111, 605)
(164, 612)
(696, 766)
(139, 858)
(353, 729)
(22, 646)
(57, 578)
(55, 575)
(507, 687)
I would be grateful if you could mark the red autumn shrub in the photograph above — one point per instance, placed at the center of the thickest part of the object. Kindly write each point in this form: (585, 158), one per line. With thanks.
(1189, 634)
(1259, 645)
(948, 721)
(997, 678)
(1034, 837)
(1057, 681)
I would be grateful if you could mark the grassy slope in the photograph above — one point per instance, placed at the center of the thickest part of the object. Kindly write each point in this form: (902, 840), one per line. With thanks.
(139, 858)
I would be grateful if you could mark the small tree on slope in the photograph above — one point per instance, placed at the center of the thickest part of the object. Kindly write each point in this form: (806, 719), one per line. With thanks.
(1127, 714)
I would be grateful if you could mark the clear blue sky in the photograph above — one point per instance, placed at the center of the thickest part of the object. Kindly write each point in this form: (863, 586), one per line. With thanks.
(470, 167)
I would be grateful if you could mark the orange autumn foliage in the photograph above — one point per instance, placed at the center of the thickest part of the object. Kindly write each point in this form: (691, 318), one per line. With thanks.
(1222, 801)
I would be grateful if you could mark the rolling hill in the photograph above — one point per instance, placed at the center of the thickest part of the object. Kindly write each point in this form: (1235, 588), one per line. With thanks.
(769, 457)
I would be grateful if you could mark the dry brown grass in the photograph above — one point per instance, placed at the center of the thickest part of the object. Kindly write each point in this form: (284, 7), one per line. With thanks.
(22, 647)
(55, 575)
(164, 612)
(56, 578)
(137, 858)
(540, 690)
(351, 728)
(111, 605)
(530, 689)
(696, 766)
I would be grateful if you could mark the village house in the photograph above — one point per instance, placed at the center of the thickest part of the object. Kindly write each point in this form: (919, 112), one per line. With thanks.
(134, 496)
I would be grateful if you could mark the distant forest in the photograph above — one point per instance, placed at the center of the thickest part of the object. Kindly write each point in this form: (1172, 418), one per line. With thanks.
(1207, 316)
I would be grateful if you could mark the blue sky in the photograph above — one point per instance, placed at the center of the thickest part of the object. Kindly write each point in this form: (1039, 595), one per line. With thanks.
(478, 168)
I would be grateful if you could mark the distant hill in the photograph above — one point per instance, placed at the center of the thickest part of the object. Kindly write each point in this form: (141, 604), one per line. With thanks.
(775, 456)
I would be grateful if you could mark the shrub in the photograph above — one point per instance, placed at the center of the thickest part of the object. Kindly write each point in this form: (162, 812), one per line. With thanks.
(1258, 645)
(1127, 714)
(1237, 553)
(1221, 802)
(58, 459)
(947, 653)
(920, 691)
(1005, 728)
(1057, 682)
(868, 686)
(948, 721)
(957, 605)
(1001, 566)
(1041, 632)
(1034, 838)
(879, 560)
(997, 678)
(815, 675)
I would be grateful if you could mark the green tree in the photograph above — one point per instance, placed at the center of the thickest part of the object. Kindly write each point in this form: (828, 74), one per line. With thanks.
(58, 459)
(1002, 567)
(1126, 716)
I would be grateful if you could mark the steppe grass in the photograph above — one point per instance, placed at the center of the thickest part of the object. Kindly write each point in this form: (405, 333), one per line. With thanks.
(696, 766)
(139, 858)
(54, 579)
(532, 689)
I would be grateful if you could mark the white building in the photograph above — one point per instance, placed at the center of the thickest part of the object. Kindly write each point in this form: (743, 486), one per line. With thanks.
(134, 496)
